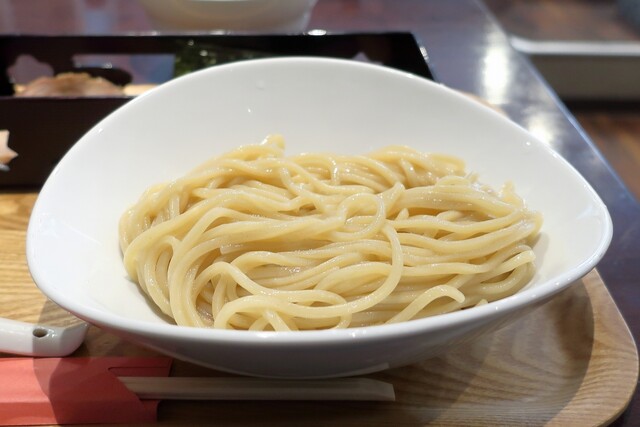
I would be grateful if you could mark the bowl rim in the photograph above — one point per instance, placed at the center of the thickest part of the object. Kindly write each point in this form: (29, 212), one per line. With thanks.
(542, 291)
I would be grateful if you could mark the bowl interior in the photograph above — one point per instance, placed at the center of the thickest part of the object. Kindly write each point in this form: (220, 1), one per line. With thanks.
(317, 105)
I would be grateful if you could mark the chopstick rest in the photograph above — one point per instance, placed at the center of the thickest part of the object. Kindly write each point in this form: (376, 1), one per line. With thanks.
(28, 339)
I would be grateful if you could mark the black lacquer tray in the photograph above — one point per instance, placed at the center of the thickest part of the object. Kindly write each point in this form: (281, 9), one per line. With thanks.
(42, 129)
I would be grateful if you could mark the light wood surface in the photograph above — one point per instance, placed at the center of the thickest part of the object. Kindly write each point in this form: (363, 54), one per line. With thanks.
(570, 362)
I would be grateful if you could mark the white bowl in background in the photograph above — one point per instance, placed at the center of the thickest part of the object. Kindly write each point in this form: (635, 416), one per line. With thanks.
(289, 16)
(317, 104)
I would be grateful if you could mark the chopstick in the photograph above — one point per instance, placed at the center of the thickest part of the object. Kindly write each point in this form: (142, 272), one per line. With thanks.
(232, 388)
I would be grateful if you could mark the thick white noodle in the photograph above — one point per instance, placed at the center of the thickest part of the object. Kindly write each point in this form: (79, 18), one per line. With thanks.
(256, 240)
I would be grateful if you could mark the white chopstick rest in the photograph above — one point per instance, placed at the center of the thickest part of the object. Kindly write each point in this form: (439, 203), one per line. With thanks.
(232, 388)
(28, 339)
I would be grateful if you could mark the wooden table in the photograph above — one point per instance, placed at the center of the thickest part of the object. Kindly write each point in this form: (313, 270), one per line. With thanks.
(467, 51)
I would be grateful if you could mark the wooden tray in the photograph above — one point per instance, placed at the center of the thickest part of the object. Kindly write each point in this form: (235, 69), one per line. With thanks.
(571, 362)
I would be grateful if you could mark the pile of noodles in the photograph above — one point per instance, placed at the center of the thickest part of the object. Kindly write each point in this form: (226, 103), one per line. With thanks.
(257, 240)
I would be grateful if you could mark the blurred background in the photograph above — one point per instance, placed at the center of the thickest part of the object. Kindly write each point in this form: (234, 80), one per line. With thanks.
(589, 52)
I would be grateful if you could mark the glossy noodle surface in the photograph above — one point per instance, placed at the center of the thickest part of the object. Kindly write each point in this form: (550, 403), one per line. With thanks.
(258, 240)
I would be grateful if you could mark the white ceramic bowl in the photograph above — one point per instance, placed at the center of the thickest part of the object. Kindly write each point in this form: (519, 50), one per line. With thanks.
(289, 16)
(317, 104)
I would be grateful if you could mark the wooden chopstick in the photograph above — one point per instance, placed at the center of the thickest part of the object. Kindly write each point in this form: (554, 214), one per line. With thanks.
(240, 388)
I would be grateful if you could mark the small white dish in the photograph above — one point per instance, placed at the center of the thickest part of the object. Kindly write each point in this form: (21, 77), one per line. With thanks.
(289, 16)
(317, 104)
